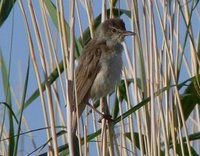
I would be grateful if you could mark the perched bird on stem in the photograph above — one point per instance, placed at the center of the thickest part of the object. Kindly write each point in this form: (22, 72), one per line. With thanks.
(100, 65)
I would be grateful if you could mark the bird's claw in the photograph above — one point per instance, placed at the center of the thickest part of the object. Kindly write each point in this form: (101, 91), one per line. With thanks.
(107, 117)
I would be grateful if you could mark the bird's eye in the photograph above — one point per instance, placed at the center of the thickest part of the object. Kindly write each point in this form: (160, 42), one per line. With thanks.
(113, 30)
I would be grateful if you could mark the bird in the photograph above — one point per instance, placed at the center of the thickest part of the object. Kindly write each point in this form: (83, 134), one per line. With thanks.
(100, 65)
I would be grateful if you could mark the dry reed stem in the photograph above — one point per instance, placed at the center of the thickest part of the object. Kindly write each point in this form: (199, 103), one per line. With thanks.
(51, 48)
(130, 119)
(122, 127)
(32, 53)
(45, 72)
(70, 78)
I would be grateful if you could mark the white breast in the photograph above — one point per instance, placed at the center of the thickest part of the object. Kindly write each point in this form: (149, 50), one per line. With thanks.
(109, 75)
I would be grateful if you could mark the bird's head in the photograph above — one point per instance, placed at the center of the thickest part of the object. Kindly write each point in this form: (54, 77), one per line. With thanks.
(112, 31)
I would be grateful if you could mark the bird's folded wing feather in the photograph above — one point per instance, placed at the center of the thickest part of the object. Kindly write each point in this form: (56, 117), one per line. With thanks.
(86, 72)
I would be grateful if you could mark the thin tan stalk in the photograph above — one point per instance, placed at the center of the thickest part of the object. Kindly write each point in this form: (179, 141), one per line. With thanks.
(103, 11)
(111, 9)
(24, 120)
(122, 127)
(95, 127)
(79, 19)
(146, 92)
(111, 139)
(103, 134)
(47, 85)
(152, 74)
(78, 123)
(5, 143)
(130, 65)
(52, 48)
(131, 120)
(85, 142)
(90, 16)
(70, 79)
(136, 92)
(63, 28)
(157, 85)
(180, 136)
(30, 42)
(173, 131)
(64, 48)
(195, 58)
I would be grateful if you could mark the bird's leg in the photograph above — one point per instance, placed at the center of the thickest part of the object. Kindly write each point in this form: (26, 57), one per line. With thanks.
(94, 108)
(105, 116)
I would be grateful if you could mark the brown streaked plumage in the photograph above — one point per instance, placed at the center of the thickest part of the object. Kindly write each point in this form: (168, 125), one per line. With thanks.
(100, 65)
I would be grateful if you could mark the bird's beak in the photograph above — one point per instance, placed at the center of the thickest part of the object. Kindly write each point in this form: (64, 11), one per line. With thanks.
(128, 33)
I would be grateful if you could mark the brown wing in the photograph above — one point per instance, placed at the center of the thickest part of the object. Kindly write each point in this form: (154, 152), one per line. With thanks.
(88, 67)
